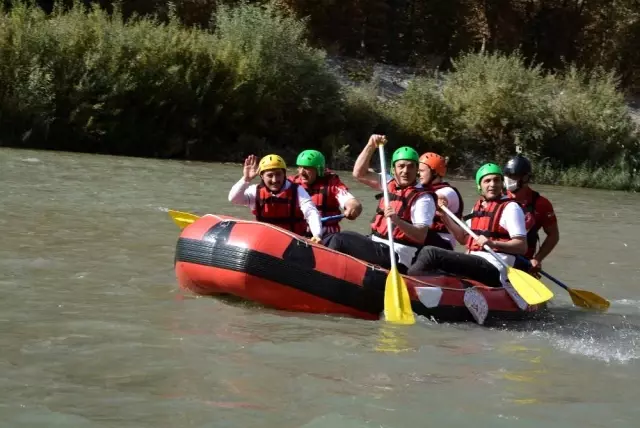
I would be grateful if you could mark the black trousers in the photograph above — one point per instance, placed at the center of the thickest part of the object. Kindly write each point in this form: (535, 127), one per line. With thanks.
(431, 259)
(363, 248)
(435, 240)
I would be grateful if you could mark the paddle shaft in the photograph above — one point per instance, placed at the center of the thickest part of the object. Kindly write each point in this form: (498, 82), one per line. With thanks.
(467, 229)
(332, 217)
(557, 281)
(192, 217)
(385, 191)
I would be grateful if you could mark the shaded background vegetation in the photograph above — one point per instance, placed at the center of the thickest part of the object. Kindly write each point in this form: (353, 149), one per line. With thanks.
(179, 82)
(590, 33)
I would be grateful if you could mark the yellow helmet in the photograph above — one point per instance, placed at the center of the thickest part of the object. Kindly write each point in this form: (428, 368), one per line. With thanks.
(271, 162)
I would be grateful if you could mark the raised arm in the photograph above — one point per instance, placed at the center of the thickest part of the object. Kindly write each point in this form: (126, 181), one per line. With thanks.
(361, 168)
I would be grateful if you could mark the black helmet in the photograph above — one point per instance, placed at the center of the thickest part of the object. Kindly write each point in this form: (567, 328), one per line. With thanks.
(518, 166)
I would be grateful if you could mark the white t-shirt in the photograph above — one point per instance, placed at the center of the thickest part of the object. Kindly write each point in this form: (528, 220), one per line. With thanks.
(512, 220)
(422, 211)
(244, 193)
(454, 206)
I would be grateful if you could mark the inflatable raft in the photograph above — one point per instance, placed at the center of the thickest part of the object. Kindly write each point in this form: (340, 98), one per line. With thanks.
(221, 255)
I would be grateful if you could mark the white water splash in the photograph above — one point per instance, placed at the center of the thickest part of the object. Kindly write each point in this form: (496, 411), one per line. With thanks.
(627, 302)
(618, 348)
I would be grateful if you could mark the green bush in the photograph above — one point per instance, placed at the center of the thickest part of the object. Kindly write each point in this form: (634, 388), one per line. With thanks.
(286, 93)
(613, 177)
(133, 88)
(499, 100)
(82, 79)
(491, 103)
(591, 119)
(422, 111)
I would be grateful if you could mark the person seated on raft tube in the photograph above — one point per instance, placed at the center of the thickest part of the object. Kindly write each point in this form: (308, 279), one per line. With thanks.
(276, 200)
(327, 191)
(538, 213)
(499, 222)
(411, 210)
(432, 169)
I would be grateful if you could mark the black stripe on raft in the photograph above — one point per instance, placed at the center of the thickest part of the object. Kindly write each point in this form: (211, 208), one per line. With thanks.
(301, 254)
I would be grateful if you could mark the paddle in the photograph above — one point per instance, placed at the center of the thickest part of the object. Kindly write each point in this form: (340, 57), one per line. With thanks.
(529, 288)
(332, 217)
(183, 219)
(397, 305)
(582, 298)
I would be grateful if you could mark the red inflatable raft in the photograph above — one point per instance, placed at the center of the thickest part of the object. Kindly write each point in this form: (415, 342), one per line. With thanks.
(221, 255)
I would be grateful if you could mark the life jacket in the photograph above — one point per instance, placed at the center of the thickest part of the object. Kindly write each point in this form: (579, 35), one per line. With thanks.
(401, 201)
(486, 222)
(328, 206)
(529, 209)
(438, 224)
(281, 209)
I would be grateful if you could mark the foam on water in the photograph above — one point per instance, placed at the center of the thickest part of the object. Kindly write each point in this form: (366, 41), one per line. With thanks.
(619, 349)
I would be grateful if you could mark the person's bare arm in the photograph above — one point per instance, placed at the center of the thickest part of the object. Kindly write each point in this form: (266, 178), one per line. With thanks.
(361, 170)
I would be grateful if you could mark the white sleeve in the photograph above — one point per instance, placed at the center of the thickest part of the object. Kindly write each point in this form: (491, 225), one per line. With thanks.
(343, 197)
(243, 193)
(310, 212)
(512, 220)
(452, 197)
(422, 210)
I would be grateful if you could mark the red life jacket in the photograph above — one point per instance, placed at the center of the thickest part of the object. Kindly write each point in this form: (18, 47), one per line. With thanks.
(438, 224)
(401, 200)
(281, 209)
(486, 222)
(328, 206)
(529, 208)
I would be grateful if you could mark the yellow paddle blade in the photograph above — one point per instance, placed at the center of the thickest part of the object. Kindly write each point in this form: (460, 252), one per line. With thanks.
(397, 305)
(529, 288)
(587, 299)
(182, 219)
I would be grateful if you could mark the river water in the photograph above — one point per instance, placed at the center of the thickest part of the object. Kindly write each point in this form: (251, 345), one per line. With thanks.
(94, 331)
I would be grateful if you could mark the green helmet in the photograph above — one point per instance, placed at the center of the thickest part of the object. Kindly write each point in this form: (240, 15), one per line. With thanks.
(487, 169)
(312, 159)
(404, 153)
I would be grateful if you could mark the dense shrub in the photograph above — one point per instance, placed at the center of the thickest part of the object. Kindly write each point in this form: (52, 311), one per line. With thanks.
(84, 80)
(491, 103)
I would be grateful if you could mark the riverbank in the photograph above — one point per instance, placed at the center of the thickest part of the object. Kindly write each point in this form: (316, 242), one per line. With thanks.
(81, 80)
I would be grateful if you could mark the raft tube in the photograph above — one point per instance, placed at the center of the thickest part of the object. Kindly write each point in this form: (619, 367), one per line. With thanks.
(221, 255)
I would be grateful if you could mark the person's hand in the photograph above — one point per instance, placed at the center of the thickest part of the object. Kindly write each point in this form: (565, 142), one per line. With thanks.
(483, 240)
(316, 240)
(536, 267)
(377, 140)
(442, 201)
(250, 169)
(389, 212)
(353, 211)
